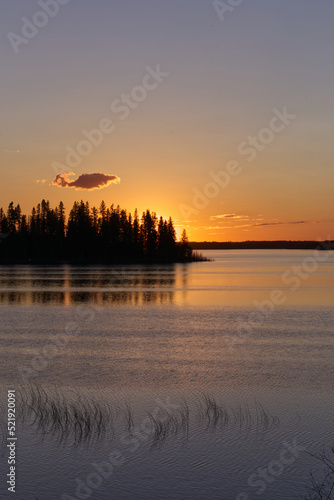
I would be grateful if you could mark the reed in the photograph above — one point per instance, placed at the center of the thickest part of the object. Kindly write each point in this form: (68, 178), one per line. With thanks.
(170, 423)
(80, 419)
(322, 488)
(129, 417)
(214, 414)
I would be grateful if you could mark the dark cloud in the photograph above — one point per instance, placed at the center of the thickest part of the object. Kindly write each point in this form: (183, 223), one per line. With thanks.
(263, 224)
(280, 223)
(85, 181)
(285, 223)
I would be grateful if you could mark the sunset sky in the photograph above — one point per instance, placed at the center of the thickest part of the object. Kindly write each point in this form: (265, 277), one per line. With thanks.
(183, 92)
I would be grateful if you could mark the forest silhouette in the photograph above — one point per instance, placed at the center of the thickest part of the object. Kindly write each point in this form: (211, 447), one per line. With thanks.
(89, 235)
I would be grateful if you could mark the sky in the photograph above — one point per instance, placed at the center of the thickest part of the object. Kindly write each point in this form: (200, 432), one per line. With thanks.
(219, 114)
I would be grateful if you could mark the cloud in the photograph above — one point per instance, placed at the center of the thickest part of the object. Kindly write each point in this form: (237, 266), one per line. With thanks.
(208, 228)
(85, 181)
(11, 150)
(229, 216)
(285, 223)
(266, 224)
(263, 224)
(41, 181)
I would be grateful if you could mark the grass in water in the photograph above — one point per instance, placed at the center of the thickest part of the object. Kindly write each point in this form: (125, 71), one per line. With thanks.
(78, 418)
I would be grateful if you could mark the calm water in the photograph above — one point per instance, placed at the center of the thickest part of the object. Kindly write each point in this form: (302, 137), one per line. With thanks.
(249, 328)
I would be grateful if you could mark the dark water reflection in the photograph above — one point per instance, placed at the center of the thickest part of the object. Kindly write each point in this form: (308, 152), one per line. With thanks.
(231, 278)
(66, 285)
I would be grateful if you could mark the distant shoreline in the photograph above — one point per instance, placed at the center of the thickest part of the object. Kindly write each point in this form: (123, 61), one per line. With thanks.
(262, 245)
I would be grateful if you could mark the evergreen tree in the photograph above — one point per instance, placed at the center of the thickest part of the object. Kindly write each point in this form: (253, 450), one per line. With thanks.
(107, 235)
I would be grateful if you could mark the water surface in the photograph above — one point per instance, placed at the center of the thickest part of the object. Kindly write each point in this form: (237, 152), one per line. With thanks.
(142, 334)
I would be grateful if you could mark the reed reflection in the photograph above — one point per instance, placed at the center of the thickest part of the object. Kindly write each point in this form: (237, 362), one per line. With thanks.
(65, 285)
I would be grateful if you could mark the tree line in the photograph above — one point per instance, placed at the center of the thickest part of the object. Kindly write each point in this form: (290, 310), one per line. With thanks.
(88, 235)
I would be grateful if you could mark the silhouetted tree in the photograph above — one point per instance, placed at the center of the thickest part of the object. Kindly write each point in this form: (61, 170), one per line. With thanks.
(60, 212)
(186, 249)
(106, 235)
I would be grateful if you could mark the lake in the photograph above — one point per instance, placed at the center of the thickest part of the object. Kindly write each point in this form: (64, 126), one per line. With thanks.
(209, 380)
